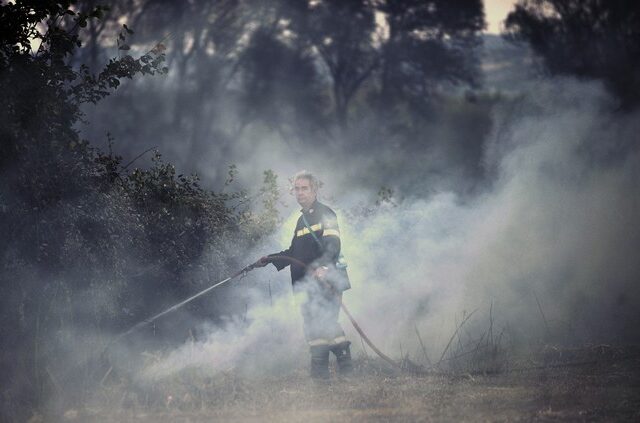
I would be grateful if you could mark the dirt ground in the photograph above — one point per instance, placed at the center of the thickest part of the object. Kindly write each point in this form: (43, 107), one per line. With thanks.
(594, 384)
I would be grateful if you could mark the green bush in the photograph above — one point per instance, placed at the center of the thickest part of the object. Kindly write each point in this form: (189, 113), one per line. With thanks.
(88, 246)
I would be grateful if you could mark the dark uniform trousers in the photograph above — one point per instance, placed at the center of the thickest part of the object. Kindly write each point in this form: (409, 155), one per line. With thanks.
(320, 310)
(317, 243)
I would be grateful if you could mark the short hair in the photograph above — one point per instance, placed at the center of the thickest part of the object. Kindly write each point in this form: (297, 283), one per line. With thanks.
(305, 174)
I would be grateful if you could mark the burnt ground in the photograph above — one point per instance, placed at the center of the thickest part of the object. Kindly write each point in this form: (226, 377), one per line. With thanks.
(588, 384)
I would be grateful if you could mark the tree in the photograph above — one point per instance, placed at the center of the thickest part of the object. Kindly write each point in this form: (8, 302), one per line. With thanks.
(429, 43)
(305, 70)
(342, 33)
(585, 38)
(281, 87)
(202, 40)
(402, 49)
(40, 82)
(87, 245)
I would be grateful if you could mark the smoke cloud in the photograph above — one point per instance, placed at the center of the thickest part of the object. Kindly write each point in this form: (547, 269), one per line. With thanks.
(548, 245)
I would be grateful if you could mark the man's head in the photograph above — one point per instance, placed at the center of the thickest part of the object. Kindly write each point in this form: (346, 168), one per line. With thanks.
(305, 187)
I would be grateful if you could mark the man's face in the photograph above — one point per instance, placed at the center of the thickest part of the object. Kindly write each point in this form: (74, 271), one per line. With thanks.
(305, 195)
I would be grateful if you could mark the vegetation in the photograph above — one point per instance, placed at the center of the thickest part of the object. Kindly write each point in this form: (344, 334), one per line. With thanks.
(89, 243)
(556, 385)
(584, 38)
(347, 74)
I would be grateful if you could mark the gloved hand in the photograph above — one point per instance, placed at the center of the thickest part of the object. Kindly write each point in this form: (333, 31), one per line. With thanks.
(320, 273)
(262, 261)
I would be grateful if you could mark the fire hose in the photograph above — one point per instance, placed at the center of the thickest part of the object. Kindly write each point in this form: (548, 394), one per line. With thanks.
(145, 322)
(243, 272)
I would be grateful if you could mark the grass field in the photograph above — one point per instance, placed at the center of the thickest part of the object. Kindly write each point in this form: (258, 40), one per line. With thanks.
(588, 384)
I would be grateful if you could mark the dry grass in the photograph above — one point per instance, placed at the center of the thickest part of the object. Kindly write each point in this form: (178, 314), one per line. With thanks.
(598, 383)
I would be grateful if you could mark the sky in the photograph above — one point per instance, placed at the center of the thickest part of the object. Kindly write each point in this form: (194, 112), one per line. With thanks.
(496, 11)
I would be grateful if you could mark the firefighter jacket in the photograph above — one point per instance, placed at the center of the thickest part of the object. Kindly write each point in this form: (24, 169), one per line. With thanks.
(324, 224)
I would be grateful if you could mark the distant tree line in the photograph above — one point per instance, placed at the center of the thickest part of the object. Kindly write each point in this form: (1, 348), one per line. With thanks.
(347, 73)
(593, 39)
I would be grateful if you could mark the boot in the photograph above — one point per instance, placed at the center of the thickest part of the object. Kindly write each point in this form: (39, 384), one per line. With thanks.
(343, 357)
(320, 362)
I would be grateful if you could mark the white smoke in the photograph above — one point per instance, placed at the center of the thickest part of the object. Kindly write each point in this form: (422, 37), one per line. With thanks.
(556, 227)
(558, 224)
(267, 340)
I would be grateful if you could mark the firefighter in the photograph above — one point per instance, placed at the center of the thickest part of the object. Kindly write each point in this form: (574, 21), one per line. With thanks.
(316, 243)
